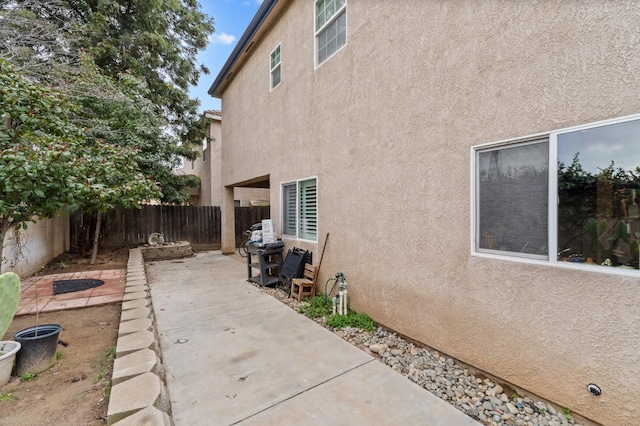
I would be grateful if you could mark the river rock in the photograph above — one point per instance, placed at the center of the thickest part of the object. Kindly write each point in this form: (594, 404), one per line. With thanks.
(378, 347)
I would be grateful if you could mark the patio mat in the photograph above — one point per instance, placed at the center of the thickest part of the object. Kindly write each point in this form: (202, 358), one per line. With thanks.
(68, 286)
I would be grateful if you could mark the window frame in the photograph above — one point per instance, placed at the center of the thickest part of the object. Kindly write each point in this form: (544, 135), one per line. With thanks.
(273, 68)
(297, 226)
(323, 27)
(552, 190)
(205, 145)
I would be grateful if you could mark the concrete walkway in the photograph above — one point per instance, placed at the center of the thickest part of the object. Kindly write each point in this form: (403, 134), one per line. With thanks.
(233, 355)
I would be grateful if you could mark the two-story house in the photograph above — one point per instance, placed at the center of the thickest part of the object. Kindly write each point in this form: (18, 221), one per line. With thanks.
(208, 167)
(475, 164)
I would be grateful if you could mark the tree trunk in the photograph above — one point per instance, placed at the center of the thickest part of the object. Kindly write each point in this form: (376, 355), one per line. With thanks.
(96, 238)
(4, 228)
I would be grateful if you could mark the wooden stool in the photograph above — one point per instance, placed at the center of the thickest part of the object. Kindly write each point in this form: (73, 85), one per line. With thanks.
(305, 287)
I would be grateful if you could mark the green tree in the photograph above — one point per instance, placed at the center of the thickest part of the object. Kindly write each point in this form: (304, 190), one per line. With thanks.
(39, 167)
(47, 162)
(154, 40)
(34, 45)
(115, 181)
(148, 48)
(117, 111)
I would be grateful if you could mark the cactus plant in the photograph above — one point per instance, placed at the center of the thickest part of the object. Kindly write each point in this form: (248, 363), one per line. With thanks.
(9, 298)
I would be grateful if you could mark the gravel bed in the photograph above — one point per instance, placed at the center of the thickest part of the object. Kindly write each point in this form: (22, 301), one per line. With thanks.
(481, 399)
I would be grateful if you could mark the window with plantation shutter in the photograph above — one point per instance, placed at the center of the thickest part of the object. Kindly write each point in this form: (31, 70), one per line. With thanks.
(308, 226)
(289, 207)
(300, 209)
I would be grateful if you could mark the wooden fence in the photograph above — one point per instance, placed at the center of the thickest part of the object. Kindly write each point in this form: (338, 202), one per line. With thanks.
(200, 225)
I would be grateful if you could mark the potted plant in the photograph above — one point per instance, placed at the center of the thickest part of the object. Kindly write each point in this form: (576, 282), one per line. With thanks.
(39, 345)
(9, 299)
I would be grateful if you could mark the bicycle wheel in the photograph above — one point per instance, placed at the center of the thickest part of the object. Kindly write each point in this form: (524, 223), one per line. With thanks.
(243, 250)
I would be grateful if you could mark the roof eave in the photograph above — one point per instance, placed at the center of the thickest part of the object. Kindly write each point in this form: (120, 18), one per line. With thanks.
(243, 44)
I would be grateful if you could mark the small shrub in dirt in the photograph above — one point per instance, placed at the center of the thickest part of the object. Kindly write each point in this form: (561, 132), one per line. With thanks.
(352, 319)
(319, 306)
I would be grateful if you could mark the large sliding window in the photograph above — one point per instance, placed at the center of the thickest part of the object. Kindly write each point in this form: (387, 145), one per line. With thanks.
(331, 28)
(300, 209)
(571, 196)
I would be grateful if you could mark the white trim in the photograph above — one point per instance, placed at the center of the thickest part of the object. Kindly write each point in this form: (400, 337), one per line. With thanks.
(563, 265)
(553, 199)
(316, 65)
(558, 131)
(552, 248)
(297, 181)
(473, 190)
(271, 69)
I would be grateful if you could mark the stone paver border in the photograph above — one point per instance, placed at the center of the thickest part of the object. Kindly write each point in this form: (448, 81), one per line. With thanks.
(139, 394)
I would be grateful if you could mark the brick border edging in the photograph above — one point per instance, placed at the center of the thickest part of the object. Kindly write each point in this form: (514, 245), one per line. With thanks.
(139, 394)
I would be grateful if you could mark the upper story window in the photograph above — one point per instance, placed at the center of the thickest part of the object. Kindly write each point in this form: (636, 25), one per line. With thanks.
(569, 197)
(275, 68)
(330, 28)
(204, 150)
(300, 209)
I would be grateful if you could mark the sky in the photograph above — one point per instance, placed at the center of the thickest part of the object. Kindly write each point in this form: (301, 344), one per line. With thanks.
(599, 146)
(231, 18)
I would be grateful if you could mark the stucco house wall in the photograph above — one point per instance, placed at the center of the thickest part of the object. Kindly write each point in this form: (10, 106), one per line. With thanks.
(36, 246)
(386, 125)
(208, 167)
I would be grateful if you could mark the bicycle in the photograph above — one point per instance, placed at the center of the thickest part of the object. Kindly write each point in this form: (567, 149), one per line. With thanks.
(243, 250)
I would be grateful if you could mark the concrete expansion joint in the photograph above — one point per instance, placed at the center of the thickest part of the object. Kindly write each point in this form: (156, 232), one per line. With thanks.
(139, 394)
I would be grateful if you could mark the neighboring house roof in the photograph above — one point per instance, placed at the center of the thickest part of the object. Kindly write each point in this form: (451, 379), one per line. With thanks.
(243, 45)
(216, 114)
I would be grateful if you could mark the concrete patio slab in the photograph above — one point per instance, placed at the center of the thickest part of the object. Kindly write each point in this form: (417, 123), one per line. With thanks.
(363, 396)
(234, 355)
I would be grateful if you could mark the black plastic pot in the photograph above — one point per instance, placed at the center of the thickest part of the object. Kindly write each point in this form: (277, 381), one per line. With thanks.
(39, 347)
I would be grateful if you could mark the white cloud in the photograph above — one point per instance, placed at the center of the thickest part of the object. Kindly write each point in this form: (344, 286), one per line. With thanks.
(222, 38)
(259, 2)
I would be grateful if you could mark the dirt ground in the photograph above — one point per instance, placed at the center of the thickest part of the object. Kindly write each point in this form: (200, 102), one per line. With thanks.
(75, 391)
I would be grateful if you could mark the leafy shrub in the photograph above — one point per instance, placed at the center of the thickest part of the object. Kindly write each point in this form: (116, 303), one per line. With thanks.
(352, 319)
(319, 306)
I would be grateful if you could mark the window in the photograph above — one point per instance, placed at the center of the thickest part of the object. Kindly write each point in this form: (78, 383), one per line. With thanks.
(331, 28)
(512, 198)
(274, 66)
(204, 150)
(594, 219)
(300, 209)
